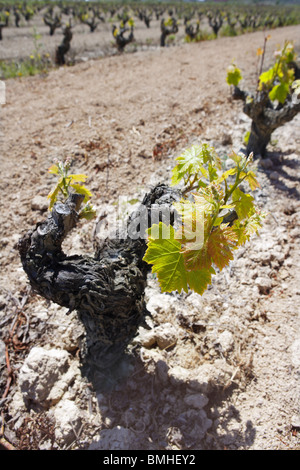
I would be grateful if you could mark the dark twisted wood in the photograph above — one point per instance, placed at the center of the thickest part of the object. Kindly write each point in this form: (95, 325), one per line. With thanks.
(107, 290)
(64, 47)
(121, 40)
(166, 30)
(266, 118)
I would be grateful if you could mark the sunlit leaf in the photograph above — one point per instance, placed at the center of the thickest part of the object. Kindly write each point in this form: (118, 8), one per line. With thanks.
(235, 157)
(244, 203)
(88, 212)
(200, 280)
(193, 160)
(279, 92)
(53, 196)
(252, 180)
(78, 178)
(65, 182)
(220, 245)
(225, 175)
(167, 261)
(234, 75)
(245, 229)
(80, 189)
(267, 78)
(54, 169)
(197, 259)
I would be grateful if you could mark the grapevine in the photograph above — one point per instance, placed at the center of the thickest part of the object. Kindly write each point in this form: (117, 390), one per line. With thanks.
(68, 183)
(278, 79)
(215, 217)
(272, 104)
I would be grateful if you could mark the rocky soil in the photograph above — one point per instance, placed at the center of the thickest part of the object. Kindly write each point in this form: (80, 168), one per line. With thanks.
(218, 371)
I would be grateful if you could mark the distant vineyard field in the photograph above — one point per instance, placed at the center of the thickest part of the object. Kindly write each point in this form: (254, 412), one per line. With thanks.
(31, 32)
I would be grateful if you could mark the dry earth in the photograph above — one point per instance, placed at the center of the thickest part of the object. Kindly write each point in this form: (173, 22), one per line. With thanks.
(219, 371)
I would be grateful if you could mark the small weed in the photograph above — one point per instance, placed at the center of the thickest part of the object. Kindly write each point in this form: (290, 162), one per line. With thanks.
(202, 35)
(26, 67)
(37, 62)
(228, 31)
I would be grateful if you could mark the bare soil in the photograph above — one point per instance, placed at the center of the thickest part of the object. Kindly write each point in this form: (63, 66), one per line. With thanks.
(123, 119)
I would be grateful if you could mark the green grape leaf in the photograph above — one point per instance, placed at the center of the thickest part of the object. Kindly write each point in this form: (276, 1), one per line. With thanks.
(209, 199)
(54, 169)
(192, 216)
(239, 228)
(244, 203)
(246, 137)
(279, 92)
(191, 162)
(267, 78)
(53, 196)
(203, 203)
(234, 75)
(217, 249)
(192, 232)
(236, 157)
(66, 181)
(77, 178)
(167, 260)
(212, 171)
(168, 263)
(196, 259)
(210, 156)
(198, 222)
(131, 22)
(253, 223)
(224, 176)
(245, 229)
(252, 180)
(220, 244)
(80, 189)
(200, 280)
(177, 175)
(88, 212)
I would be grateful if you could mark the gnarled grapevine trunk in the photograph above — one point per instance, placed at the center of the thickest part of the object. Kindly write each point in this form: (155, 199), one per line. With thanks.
(107, 290)
(265, 118)
(121, 40)
(166, 31)
(64, 47)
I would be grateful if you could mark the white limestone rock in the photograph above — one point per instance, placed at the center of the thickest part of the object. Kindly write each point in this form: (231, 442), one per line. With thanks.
(45, 376)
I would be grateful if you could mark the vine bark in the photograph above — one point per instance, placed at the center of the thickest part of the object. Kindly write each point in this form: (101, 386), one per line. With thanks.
(265, 118)
(107, 290)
